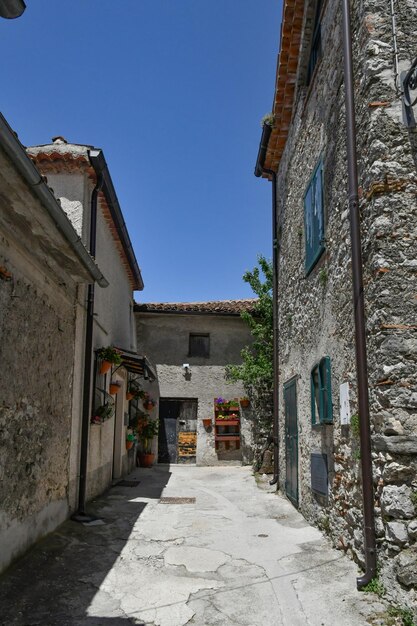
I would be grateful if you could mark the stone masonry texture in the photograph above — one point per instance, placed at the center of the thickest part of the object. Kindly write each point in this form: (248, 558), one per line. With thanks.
(316, 311)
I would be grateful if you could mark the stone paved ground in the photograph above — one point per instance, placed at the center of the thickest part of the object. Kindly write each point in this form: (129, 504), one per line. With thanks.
(238, 555)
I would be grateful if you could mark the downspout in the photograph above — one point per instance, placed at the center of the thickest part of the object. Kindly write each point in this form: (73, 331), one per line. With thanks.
(359, 310)
(80, 515)
(259, 170)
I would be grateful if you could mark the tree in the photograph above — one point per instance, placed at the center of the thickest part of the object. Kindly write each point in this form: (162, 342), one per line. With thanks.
(257, 366)
(257, 369)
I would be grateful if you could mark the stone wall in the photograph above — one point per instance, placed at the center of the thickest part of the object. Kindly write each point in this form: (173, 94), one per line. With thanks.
(315, 310)
(38, 294)
(113, 325)
(164, 339)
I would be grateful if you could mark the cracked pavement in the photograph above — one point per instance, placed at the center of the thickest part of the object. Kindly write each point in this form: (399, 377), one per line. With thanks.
(239, 555)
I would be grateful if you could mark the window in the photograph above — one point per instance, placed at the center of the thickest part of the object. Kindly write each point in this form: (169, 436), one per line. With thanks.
(199, 345)
(314, 218)
(315, 52)
(321, 393)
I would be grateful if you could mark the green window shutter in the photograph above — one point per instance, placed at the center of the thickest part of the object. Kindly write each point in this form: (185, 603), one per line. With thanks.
(313, 398)
(321, 393)
(327, 416)
(314, 218)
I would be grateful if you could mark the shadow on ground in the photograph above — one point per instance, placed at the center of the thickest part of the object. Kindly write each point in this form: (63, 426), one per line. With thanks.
(55, 582)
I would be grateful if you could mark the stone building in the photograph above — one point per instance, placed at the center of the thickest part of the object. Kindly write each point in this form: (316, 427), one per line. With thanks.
(43, 271)
(306, 154)
(80, 179)
(190, 345)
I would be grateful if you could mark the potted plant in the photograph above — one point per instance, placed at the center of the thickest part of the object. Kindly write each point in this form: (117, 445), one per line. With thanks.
(244, 402)
(147, 429)
(207, 422)
(148, 402)
(102, 413)
(114, 387)
(130, 439)
(134, 390)
(220, 403)
(109, 356)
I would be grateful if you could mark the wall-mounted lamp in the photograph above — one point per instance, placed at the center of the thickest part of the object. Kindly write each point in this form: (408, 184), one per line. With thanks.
(10, 9)
(186, 368)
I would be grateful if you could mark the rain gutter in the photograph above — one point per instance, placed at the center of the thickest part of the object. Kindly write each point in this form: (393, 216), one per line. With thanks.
(359, 310)
(259, 171)
(99, 164)
(17, 154)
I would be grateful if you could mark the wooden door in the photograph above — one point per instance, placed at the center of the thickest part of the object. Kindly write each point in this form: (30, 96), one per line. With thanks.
(169, 411)
(291, 440)
(187, 431)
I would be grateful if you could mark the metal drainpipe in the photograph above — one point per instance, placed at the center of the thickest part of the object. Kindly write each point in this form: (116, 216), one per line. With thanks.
(80, 515)
(359, 310)
(259, 170)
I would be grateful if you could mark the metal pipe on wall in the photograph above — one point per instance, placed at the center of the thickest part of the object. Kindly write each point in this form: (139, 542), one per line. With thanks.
(80, 515)
(359, 309)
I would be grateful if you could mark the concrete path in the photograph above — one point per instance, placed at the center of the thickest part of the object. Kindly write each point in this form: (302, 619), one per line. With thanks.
(237, 555)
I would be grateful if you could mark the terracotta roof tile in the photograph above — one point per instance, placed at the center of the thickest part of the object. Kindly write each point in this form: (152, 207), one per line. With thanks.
(229, 307)
(292, 20)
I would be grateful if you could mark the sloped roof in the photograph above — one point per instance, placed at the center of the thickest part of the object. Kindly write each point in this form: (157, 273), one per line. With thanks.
(285, 83)
(219, 307)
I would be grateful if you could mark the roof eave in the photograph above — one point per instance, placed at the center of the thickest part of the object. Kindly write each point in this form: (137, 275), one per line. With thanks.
(99, 164)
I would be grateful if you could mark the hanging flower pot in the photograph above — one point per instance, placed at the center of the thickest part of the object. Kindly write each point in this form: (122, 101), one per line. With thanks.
(109, 356)
(105, 366)
(129, 396)
(129, 444)
(244, 403)
(207, 422)
(114, 388)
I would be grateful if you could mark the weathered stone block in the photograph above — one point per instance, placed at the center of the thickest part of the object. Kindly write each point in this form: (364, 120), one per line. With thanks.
(396, 532)
(394, 472)
(396, 502)
(412, 530)
(397, 445)
(406, 565)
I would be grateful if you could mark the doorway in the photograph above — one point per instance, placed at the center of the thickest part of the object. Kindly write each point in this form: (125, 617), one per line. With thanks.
(291, 440)
(177, 436)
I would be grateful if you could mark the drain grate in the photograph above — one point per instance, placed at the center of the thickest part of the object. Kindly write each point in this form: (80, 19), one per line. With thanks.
(127, 483)
(176, 500)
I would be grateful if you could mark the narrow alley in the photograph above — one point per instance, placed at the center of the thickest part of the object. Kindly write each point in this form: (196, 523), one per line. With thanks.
(179, 545)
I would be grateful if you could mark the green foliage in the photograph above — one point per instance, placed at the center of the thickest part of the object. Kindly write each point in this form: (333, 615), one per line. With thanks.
(414, 498)
(354, 425)
(405, 614)
(268, 120)
(323, 276)
(375, 586)
(257, 366)
(147, 429)
(102, 413)
(110, 354)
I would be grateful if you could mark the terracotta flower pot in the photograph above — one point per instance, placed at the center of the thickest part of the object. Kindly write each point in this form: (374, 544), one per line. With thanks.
(105, 366)
(207, 422)
(129, 444)
(244, 404)
(113, 388)
(148, 406)
(130, 396)
(146, 459)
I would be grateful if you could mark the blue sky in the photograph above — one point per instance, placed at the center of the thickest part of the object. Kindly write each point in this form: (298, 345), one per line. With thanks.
(173, 92)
